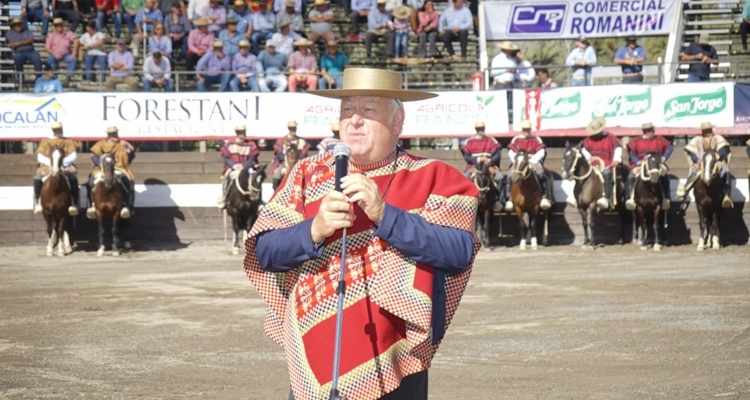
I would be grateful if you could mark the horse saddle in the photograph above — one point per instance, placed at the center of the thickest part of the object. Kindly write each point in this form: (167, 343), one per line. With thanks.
(99, 177)
(64, 175)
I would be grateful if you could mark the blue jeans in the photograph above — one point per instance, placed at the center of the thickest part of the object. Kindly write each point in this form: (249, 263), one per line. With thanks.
(72, 63)
(20, 57)
(235, 85)
(694, 78)
(257, 36)
(579, 82)
(101, 16)
(182, 45)
(279, 83)
(129, 20)
(222, 80)
(168, 85)
(89, 65)
(402, 42)
(36, 14)
(338, 80)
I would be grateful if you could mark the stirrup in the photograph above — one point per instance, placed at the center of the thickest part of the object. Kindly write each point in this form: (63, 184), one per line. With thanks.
(72, 211)
(125, 213)
(91, 212)
(37, 208)
(727, 202)
(630, 205)
(681, 191)
(603, 202)
(509, 206)
(666, 204)
(545, 204)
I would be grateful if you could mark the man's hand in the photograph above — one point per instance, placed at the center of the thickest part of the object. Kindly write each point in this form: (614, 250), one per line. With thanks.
(45, 12)
(363, 191)
(23, 12)
(334, 214)
(615, 164)
(237, 167)
(242, 78)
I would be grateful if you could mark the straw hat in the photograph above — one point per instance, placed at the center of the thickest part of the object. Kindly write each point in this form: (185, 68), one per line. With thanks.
(238, 3)
(240, 128)
(373, 82)
(219, 43)
(647, 126)
(291, 124)
(401, 12)
(335, 126)
(526, 124)
(290, 3)
(202, 22)
(112, 130)
(231, 21)
(56, 125)
(332, 42)
(381, 2)
(57, 21)
(479, 125)
(703, 38)
(707, 126)
(15, 21)
(303, 42)
(596, 126)
(509, 46)
(284, 22)
(320, 2)
(244, 43)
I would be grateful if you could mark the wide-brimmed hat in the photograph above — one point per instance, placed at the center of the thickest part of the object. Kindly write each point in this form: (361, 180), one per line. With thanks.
(240, 128)
(373, 82)
(303, 42)
(320, 2)
(239, 3)
(243, 43)
(526, 124)
(231, 21)
(332, 42)
(335, 126)
(16, 21)
(57, 21)
(509, 46)
(379, 2)
(596, 126)
(707, 126)
(401, 12)
(56, 125)
(479, 125)
(291, 124)
(284, 22)
(647, 126)
(112, 129)
(202, 22)
(218, 43)
(703, 38)
(290, 3)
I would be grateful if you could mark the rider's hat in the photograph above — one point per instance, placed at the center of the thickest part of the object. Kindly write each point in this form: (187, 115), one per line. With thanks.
(240, 128)
(479, 125)
(56, 125)
(596, 126)
(526, 124)
(647, 126)
(335, 126)
(112, 131)
(707, 126)
(291, 124)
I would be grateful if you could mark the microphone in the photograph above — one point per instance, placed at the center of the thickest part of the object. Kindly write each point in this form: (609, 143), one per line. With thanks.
(341, 152)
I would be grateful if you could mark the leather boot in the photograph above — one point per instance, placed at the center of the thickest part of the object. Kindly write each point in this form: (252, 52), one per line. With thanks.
(604, 201)
(508, 202)
(37, 192)
(630, 203)
(125, 212)
(666, 192)
(727, 201)
(684, 188)
(498, 205)
(74, 192)
(91, 211)
(545, 203)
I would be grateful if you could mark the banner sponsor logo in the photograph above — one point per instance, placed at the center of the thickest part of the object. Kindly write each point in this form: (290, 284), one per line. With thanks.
(536, 19)
(563, 107)
(623, 106)
(25, 113)
(701, 104)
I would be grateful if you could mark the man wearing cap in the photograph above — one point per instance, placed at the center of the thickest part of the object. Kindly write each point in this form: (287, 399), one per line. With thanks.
(631, 56)
(284, 39)
(238, 153)
(409, 255)
(535, 147)
(321, 18)
(243, 16)
(708, 141)
(214, 67)
(581, 59)
(483, 149)
(638, 149)
(49, 82)
(701, 55)
(22, 42)
(270, 67)
(35, 10)
(123, 153)
(332, 64)
(243, 66)
(217, 14)
(262, 27)
(231, 38)
(121, 64)
(44, 167)
(360, 10)
(200, 41)
(157, 72)
(293, 16)
(503, 67)
(282, 145)
(455, 23)
(379, 25)
(303, 67)
(327, 144)
(607, 149)
(62, 45)
(147, 17)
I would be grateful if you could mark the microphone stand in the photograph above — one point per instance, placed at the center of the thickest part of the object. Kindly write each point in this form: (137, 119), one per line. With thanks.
(341, 291)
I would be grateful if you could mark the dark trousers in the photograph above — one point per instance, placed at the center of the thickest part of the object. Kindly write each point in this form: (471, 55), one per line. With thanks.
(20, 57)
(371, 37)
(632, 79)
(191, 60)
(356, 19)
(413, 387)
(463, 39)
(743, 34)
(71, 16)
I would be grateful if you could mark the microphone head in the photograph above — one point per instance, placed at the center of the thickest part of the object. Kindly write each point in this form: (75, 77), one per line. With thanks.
(342, 149)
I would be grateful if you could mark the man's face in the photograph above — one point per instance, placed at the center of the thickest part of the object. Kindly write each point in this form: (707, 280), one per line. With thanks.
(370, 127)
(457, 4)
(57, 132)
(284, 30)
(292, 131)
(526, 132)
(121, 47)
(203, 29)
(303, 49)
(290, 10)
(241, 136)
(381, 7)
(244, 50)
(332, 49)
(149, 4)
(321, 7)
(17, 27)
(542, 77)
(649, 133)
(707, 133)
(232, 28)
(157, 60)
(631, 44)
(59, 28)
(219, 50)
(582, 45)
(240, 8)
(480, 132)
(271, 49)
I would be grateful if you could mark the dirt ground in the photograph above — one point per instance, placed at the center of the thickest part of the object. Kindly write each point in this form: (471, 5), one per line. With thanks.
(558, 323)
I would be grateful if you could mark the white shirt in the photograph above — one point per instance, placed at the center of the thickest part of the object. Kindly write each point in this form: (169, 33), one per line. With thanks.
(524, 71)
(499, 68)
(284, 44)
(196, 7)
(88, 40)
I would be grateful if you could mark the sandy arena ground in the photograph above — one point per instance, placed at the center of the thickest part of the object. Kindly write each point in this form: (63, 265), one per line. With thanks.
(559, 323)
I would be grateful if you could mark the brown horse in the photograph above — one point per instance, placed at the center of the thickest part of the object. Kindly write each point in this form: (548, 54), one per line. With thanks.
(244, 201)
(109, 197)
(55, 200)
(648, 202)
(709, 193)
(526, 194)
(488, 194)
(290, 159)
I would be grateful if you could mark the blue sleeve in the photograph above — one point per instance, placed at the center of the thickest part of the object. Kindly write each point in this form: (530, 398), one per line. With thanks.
(590, 55)
(58, 86)
(723, 152)
(620, 55)
(228, 161)
(668, 152)
(633, 157)
(281, 250)
(96, 160)
(250, 162)
(468, 158)
(495, 157)
(693, 157)
(38, 86)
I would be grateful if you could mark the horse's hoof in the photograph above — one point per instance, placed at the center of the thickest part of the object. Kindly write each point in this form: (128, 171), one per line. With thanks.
(115, 253)
(127, 246)
(100, 253)
(49, 253)
(236, 251)
(657, 247)
(644, 248)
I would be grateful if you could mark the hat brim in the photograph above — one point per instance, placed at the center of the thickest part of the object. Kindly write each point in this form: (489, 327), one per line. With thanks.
(403, 95)
(593, 132)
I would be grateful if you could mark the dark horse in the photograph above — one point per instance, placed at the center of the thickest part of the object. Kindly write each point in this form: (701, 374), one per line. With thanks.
(526, 194)
(648, 202)
(55, 200)
(244, 201)
(709, 192)
(488, 193)
(290, 159)
(109, 197)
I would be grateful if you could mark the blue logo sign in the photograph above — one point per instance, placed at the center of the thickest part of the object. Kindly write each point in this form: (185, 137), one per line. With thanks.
(537, 19)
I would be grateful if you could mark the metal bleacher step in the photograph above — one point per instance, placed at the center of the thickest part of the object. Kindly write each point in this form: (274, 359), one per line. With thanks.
(713, 66)
(709, 31)
(713, 43)
(711, 22)
(706, 11)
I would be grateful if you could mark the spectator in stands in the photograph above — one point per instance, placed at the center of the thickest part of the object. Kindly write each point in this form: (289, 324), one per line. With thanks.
(92, 43)
(217, 14)
(157, 72)
(631, 56)
(62, 45)
(455, 23)
(121, 63)
(525, 73)
(427, 30)
(178, 28)
(22, 42)
(401, 30)
(744, 24)
(297, 23)
(129, 11)
(109, 9)
(195, 10)
(49, 82)
(87, 9)
(284, 38)
(200, 41)
(320, 22)
(165, 6)
(415, 6)
(243, 17)
(581, 59)
(360, 12)
(303, 67)
(214, 67)
(243, 66)
(160, 42)
(545, 82)
(702, 55)
(279, 5)
(67, 10)
(503, 67)
(379, 25)
(332, 65)
(35, 10)
(231, 38)
(263, 25)
(270, 68)
(145, 20)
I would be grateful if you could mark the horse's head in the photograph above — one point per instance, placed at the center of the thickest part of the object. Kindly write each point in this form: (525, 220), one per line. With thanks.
(107, 165)
(482, 177)
(255, 181)
(570, 161)
(651, 168)
(710, 165)
(520, 166)
(56, 156)
(292, 155)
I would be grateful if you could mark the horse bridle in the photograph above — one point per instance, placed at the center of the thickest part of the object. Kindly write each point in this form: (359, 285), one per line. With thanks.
(526, 170)
(572, 169)
(716, 168)
(251, 191)
(646, 173)
(476, 183)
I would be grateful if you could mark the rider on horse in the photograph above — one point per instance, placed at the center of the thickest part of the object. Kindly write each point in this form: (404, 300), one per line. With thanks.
(638, 149)
(606, 147)
(123, 153)
(708, 141)
(70, 147)
(281, 146)
(486, 150)
(535, 147)
(329, 143)
(238, 153)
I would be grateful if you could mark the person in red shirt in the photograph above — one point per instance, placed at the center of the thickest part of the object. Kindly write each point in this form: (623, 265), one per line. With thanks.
(486, 150)
(638, 148)
(108, 9)
(536, 149)
(281, 146)
(602, 150)
(237, 153)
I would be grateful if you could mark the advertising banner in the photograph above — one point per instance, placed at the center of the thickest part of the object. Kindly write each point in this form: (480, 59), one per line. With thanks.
(569, 19)
(173, 116)
(742, 105)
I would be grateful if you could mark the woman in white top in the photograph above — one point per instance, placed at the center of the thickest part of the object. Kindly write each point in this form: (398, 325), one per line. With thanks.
(93, 43)
(195, 8)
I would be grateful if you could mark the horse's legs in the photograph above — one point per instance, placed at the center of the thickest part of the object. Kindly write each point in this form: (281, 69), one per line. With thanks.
(715, 238)
(591, 220)
(236, 236)
(125, 234)
(60, 229)
(702, 223)
(523, 231)
(50, 239)
(657, 227)
(532, 228)
(115, 234)
(486, 227)
(100, 221)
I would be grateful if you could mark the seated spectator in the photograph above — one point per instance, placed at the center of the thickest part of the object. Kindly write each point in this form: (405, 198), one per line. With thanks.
(231, 38)
(178, 28)
(165, 6)
(332, 65)
(328, 143)
(320, 22)
(243, 66)
(545, 81)
(279, 5)
(33, 11)
(22, 42)
(263, 25)
(379, 25)
(284, 39)
(109, 9)
(455, 24)
(415, 6)
(427, 30)
(401, 30)
(243, 17)
(214, 67)
(92, 44)
(200, 41)
(68, 11)
(62, 45)
(48, 83)
(303, 67)
(525, 73)
(145, 20)
(160, 42)
(120, 63)
(195, 10)
(270, 68)
(217, 14)
(157, 72)
(87, 9)
(130, 9)
(503, 67)
(360, 12)
(296, 22)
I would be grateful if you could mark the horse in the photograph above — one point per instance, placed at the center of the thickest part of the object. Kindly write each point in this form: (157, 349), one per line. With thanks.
(709, 192)
(488, 195)
(244, 201)
(55, 198)
(648, 202)
(109, 197)
(525, 194)
(290, 159)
